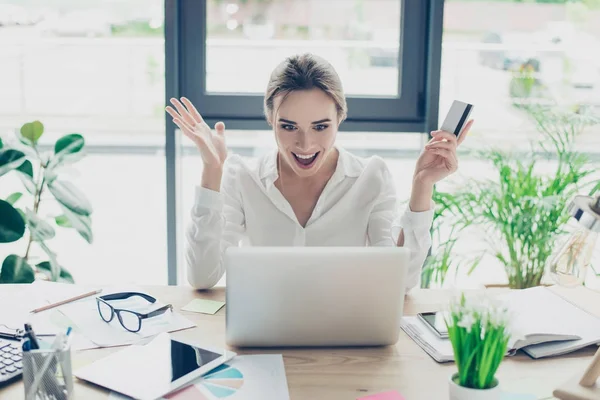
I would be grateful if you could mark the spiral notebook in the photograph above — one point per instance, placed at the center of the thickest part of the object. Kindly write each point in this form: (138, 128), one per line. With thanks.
(545, 324)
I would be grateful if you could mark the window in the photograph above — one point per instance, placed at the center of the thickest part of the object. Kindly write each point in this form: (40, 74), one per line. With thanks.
(220, 55)
(489, 47)
(96, 68)
(228, 48)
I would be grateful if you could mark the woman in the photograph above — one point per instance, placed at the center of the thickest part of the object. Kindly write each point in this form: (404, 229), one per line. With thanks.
(309, 192)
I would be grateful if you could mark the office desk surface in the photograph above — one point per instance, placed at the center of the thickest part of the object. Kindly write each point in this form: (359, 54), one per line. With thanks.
(349, 373)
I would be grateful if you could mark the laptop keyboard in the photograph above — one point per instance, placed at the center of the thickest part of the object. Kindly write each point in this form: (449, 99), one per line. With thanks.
(11, 357)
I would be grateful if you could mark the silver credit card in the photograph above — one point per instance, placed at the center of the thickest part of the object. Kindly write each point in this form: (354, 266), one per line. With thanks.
(457, 117)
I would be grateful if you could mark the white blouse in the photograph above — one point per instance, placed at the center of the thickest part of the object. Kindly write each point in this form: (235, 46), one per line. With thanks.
(356, 208)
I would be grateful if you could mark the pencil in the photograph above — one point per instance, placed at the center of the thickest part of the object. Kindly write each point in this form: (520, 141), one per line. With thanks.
(65, 301)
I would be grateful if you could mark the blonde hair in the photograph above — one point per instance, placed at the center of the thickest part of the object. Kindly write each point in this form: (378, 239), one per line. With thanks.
(305, 72)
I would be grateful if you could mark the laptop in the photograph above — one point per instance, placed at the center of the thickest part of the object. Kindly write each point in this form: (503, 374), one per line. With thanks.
(314, 296)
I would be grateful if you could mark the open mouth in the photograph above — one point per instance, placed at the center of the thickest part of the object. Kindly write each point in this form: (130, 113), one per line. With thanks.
(306, 160)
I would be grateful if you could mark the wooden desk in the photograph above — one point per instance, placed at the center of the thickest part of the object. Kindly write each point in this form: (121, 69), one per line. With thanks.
(348, 373)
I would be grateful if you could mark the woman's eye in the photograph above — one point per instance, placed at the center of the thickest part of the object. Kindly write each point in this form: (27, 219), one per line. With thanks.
(321, 127)
(288, 127)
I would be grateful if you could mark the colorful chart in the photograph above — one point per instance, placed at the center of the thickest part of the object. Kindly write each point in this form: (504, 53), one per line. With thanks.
(222, 382)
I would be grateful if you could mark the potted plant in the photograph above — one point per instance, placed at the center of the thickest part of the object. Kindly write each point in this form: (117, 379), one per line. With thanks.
(42, 182)
(478, 331)
(522, 211)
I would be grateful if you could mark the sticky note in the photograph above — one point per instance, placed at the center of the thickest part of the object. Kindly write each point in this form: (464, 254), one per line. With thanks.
(393, 395)
(203, 306)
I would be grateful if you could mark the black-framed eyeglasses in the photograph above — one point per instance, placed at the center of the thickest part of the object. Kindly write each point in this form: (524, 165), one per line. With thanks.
(130, 320)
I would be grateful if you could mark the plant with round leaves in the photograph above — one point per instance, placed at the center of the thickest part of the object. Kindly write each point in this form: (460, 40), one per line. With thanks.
(28, 222)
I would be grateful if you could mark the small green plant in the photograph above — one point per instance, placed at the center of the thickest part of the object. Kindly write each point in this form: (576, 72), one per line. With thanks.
(478, 331)
(39, 181)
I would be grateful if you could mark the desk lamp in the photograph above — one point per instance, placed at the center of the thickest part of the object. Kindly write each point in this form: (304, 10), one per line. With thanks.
(568, 266)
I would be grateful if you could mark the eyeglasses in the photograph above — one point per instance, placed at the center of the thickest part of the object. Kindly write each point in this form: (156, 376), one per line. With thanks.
(130, 320)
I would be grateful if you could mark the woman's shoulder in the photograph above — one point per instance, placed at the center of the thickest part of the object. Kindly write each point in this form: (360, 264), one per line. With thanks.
(357, 166)
(237, 167)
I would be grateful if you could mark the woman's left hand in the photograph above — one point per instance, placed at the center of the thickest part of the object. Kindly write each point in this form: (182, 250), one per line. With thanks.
(439, 159)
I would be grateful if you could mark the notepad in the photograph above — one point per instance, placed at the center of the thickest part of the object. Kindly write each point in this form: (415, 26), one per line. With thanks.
(545, 325)
(203, 306)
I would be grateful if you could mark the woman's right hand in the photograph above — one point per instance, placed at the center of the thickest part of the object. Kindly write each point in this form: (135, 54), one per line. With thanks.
(211, 144)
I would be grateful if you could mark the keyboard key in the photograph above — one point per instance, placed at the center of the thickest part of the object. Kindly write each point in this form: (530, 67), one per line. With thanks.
(11, 370)
(16, 351)
(15, 358)
(18, 365)
(8, 362)
(6, 355)
(4, 343)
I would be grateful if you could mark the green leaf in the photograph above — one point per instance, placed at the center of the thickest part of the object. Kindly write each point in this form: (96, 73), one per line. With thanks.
(46, 268)
(32, 131)
(16, 270)
(22, 214)
(40, 229)
(12, 225)
(26, 168)
(54, 266)
(69, 196)
(65, 276)
(69, 144)
(13, 198)
(10, 159)
(81, 223)
(63, 221)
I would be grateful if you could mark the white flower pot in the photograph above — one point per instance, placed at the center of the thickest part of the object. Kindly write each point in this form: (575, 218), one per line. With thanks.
(458, 392)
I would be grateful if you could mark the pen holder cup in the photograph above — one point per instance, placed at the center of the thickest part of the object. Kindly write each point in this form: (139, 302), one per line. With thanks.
(47, 374)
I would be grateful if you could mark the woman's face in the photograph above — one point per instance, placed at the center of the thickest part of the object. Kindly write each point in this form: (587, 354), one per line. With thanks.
(305, 126)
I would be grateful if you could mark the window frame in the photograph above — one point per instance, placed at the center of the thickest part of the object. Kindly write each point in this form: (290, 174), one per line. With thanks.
(415, 110)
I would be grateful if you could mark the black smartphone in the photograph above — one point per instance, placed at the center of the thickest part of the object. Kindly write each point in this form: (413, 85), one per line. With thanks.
(436, 322)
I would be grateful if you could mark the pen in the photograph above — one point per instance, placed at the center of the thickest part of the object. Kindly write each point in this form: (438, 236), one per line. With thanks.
(35, 345)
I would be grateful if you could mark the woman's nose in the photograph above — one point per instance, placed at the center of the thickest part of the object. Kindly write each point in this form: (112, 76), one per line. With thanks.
(302, 141)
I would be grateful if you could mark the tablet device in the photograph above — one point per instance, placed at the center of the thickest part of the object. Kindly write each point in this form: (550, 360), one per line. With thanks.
(436, 322)
(457, 117)
(155, 369)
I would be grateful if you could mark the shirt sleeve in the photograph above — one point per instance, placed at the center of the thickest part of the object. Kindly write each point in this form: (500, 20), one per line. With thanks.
(217, 222)
(385, 224)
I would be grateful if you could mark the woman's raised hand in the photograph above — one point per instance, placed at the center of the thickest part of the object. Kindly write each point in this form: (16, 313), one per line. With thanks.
(211, 144)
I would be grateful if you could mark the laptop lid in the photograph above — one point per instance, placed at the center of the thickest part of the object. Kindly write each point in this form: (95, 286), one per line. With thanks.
(314, 296)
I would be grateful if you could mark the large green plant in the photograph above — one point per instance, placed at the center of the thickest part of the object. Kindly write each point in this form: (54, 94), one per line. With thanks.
(523, 210)
(39, 173)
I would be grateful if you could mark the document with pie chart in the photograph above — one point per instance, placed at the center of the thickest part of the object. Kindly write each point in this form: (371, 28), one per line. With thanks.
(243, 378)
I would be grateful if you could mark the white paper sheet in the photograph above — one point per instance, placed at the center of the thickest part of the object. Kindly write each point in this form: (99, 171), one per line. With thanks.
(85, 316)
(243, 378)
(17, 306)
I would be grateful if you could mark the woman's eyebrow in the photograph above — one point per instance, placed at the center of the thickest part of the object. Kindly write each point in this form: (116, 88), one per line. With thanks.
(321, 121)
(287, 121)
